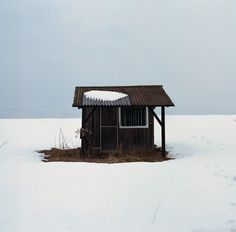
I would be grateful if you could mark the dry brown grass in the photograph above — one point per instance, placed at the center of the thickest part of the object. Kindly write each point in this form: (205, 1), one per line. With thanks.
(74, 155)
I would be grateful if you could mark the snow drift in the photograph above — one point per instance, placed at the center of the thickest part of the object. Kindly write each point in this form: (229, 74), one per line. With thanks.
(194, 192)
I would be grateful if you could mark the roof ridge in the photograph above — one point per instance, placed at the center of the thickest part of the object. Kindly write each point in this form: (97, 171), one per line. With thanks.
(117, 86)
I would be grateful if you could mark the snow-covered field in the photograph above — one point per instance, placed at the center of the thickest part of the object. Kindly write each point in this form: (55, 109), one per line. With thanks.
(194, 192)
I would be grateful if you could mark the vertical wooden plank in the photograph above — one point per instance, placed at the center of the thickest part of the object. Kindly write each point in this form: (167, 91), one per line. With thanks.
(109, 128)
(100, 112)
(163, 136)
(117, 128)
(83, 116)
(96, 129)
(151, 130)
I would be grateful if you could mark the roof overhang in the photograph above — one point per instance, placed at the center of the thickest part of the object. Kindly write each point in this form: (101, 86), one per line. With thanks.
(145, 95)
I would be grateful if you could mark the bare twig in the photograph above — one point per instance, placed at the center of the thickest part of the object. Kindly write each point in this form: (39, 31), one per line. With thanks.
(155, 214)
(4, 143)
(71, 143)
(62, 141)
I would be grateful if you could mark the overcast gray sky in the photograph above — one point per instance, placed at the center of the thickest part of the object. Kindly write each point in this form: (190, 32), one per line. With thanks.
(48, 47)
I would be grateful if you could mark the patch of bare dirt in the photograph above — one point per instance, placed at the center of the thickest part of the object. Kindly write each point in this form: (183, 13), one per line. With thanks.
(76, 155)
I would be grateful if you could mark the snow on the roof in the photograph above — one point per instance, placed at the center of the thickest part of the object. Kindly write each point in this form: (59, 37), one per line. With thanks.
(104, 95)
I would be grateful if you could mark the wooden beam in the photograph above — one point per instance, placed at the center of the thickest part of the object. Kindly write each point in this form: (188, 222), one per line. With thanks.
(156, 117)
(90, 114)
(163, 136)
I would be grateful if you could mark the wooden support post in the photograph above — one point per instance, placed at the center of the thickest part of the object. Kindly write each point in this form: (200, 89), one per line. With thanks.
(162, 124)
(163, 136)
(155, 116)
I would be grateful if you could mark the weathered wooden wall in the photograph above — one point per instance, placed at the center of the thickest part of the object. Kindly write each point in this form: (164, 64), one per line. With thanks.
(106, 134)
(93, 124)
(109, 128)
(137, 139)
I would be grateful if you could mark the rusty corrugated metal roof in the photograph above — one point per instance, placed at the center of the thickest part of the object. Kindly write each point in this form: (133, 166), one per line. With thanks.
(142, 95)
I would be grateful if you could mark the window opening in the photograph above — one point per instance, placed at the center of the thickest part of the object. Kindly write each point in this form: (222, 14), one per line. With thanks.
(133, 117)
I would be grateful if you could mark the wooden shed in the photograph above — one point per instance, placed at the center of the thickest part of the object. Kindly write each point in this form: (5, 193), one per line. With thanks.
(123, 120)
